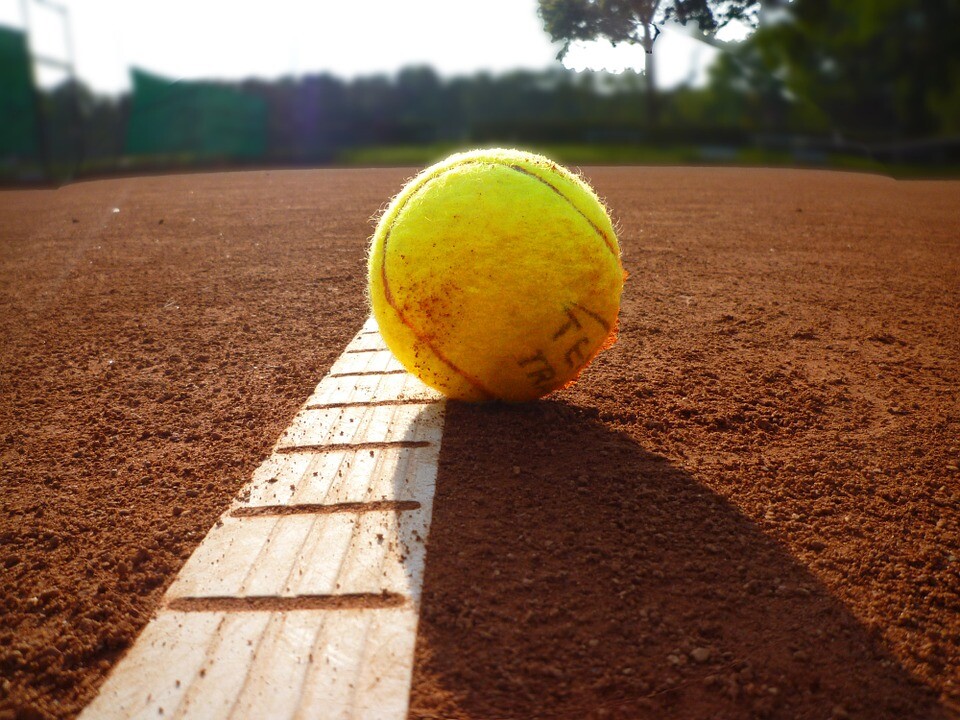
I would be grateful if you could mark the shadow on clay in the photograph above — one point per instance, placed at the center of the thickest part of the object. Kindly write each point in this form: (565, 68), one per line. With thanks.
(572, 574)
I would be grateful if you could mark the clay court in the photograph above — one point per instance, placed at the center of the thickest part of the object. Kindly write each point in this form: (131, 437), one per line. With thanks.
(746, 508)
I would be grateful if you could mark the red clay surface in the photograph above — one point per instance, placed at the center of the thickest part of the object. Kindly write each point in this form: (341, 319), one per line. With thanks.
(748, 507)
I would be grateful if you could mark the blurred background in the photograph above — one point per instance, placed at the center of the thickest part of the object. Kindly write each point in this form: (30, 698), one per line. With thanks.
(107, 87)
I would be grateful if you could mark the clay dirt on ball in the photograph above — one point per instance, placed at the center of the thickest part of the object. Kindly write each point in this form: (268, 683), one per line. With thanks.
(746, 508)
(495, 275)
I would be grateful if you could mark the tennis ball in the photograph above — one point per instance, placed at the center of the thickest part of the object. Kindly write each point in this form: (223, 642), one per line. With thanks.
(495, 275)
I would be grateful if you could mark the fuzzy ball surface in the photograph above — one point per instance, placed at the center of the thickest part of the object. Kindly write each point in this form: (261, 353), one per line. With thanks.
(496, 275)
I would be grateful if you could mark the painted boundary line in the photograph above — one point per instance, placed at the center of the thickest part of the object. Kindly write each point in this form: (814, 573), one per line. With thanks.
(303, 600)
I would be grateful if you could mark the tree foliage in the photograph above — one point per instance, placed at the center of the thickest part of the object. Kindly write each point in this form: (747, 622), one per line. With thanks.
(637, 21)
(878, 69)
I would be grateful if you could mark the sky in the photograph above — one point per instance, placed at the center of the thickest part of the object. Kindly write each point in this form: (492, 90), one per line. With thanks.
(215, 39)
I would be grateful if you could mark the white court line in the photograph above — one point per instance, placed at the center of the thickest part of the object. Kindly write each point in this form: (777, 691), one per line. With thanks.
(303, 600)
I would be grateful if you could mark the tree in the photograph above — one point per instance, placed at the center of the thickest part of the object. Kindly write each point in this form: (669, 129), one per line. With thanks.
(879, 69)
(638, 22)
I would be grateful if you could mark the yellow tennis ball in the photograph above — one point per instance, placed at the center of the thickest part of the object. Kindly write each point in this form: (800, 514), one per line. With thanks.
(496, 274)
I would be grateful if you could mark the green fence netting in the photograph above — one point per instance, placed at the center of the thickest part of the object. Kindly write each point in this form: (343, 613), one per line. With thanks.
(19, 126)
(194, 121)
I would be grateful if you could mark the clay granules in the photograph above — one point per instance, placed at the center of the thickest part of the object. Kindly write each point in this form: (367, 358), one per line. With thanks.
(746, 508)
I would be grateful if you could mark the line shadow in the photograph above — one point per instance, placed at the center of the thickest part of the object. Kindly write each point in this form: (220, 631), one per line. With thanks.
(572, 574)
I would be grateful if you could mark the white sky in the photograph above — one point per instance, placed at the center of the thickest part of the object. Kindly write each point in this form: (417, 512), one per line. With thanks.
(193, 39)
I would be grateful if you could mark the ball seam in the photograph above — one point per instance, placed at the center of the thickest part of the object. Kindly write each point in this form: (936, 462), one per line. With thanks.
(388, 296)
(396, 212)
(606, 241)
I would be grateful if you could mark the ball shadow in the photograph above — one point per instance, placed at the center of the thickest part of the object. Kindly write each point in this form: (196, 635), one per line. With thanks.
(572, 574)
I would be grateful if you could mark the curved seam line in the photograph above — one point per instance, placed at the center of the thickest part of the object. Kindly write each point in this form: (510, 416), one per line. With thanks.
(388, 295)
(592, 315)
(595, 227)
